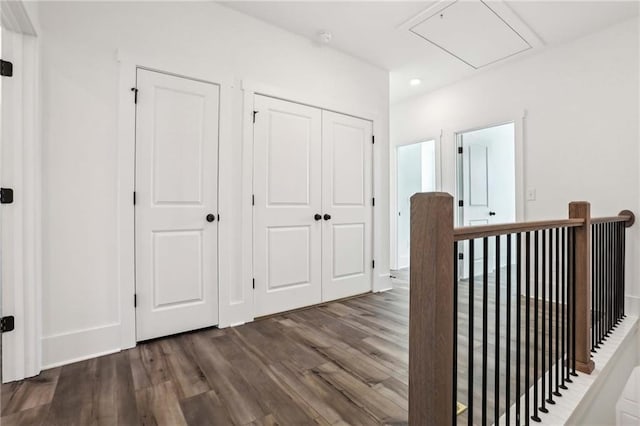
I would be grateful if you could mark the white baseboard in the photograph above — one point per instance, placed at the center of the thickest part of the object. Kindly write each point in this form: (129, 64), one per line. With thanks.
(79, 345)
(632, 305)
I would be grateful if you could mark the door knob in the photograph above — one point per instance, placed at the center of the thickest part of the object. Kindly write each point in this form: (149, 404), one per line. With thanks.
(492, 213)
(327, 216)
(317, 216)
(210, 217)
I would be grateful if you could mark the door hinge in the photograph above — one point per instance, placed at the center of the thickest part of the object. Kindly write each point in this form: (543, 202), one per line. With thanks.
(460, 203)
(6, 68)
(135, 300)
(6, 195)
(373, 201)
(373, 264)
(7, 323)
(254, 283)
(254, 116)
(218, 217)
(459, 150)
(253, 200)
(373, 139)
(135, 95)
(460, 256)
(134, 198)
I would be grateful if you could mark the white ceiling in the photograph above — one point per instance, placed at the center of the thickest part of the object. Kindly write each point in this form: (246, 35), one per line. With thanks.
(374, 32)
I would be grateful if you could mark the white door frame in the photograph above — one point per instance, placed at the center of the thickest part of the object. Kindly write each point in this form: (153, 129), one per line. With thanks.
(22, 171)
(394, 186)
(251, 88)
(519, 132)
(126, 178)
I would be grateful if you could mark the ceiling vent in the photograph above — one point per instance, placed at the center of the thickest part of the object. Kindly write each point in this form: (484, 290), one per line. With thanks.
(475, 32)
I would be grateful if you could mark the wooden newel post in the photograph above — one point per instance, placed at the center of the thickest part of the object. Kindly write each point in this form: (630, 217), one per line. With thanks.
(431, 338)
(582, 210)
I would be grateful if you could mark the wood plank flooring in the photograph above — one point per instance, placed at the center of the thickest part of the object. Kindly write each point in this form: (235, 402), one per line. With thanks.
(339, 363)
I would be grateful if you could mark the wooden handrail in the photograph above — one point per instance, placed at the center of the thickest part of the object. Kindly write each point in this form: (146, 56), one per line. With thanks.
(433, 307)
(624, 216)
(473, 232)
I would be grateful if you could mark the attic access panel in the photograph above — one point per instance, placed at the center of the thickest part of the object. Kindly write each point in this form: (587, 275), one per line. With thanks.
(472, 32)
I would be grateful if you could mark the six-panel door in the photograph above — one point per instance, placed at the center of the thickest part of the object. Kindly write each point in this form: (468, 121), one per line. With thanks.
(176, 189)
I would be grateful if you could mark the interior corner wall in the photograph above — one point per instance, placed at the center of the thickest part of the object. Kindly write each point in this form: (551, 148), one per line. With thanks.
(79, 103)
(580, 132)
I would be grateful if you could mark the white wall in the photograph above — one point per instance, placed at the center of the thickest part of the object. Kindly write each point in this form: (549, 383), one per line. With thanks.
(581, 126)
(82, 309)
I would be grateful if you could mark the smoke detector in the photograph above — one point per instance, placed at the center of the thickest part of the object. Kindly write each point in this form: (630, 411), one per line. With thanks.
(324, 37)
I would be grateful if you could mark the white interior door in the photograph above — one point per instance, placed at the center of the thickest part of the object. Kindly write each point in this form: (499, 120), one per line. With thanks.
(488, 185)
(477, 211)
(176, 204)
(347, 205)
(287, 198)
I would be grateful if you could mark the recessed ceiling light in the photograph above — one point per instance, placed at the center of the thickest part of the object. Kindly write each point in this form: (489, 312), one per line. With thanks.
(415, 81)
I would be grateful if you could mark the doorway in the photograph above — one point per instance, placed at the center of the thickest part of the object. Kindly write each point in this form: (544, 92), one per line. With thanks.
(486, 175)
(176, 204)
(416, 172)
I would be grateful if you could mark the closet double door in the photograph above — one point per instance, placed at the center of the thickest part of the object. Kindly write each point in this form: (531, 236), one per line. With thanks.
(312, 205)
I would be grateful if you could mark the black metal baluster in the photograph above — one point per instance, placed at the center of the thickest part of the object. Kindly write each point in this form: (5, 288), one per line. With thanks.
(607, 280)
(601, 284)
(527, 327)
(610, 284)
(557, 323)
(614, 262)
(594, 251)
(536, 282)
(612, 276)
(471, 338)
(569, 303)
(485, 323)
(573, 299)
(496, 397)
(543, 408)
(550, 319)
(518, 321)
(601, 279)
(454, 409)
(594, 286)
(563, 353)
(620, 273)
(624, 263)
(508, 336)
(621, 269)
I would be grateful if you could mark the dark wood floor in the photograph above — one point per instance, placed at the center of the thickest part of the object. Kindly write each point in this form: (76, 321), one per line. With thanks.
(338, 363)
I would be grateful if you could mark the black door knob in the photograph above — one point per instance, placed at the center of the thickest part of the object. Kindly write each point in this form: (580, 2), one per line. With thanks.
(317, 216)
(492, 213)
(327, 216)
(210, 217)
